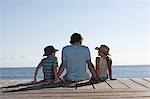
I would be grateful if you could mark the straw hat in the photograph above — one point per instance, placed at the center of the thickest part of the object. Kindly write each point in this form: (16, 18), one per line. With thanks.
(49, 50)
(104, 49)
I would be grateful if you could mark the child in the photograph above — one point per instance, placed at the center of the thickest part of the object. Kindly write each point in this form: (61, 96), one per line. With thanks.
(103, 63)
(49, 66)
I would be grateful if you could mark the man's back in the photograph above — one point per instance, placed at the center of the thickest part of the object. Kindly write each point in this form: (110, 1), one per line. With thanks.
(76, 56)
(74, 59)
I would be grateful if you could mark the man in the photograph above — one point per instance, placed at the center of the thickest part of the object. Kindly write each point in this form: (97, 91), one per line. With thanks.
(75, 57)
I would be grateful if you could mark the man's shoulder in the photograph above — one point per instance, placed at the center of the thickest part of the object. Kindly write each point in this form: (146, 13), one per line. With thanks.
(67, 46)
(83, 46)
(71, 46)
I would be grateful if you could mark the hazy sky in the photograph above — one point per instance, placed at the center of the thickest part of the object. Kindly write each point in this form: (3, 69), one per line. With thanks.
(27, 26)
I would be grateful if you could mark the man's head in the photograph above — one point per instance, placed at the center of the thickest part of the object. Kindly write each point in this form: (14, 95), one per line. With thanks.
(75, 37)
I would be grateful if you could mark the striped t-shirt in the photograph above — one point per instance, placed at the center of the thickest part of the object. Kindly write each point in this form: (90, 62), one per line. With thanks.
(47, 64)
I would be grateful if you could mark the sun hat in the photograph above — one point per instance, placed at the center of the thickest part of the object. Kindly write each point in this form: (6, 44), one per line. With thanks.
(104, 49)
(49, 50)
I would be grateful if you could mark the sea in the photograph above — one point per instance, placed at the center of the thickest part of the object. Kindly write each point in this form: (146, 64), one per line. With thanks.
(119, 71)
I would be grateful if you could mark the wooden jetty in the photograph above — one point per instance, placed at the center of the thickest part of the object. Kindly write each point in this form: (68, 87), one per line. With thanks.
(122, 88)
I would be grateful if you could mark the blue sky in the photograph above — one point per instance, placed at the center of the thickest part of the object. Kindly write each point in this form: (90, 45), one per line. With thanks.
(27, 26)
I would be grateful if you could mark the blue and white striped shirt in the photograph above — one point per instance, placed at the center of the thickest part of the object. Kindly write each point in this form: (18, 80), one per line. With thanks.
(47, 64)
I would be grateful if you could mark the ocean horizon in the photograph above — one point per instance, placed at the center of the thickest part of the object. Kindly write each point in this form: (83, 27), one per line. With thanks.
(119, 71)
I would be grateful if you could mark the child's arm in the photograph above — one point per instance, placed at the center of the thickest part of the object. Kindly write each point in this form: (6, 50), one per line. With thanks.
(55, 73)
(110, 68)
(55, 65)
(36, 71)
(97, 66)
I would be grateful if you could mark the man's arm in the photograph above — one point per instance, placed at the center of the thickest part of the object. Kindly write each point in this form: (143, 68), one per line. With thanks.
(91, 68)
(61, 68)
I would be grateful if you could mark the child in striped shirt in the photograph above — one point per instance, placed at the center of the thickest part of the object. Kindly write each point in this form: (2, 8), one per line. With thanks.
(49, 66)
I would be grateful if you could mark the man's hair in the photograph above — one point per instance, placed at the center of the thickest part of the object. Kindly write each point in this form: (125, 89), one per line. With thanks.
(75, 37)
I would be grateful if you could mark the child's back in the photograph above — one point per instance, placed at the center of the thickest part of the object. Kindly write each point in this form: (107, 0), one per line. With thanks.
(47, 66)
(103, 66)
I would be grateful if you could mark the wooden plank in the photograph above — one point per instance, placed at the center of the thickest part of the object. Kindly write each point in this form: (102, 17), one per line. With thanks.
(125, 95)
(121, 88)
(5, 83)
(94, 97)
(84, 85)
(80, 94)
(115, 84)
(71, 90)
(147, 79)
(1, 83)
(141, 82)
(131, 84)
(102, 85)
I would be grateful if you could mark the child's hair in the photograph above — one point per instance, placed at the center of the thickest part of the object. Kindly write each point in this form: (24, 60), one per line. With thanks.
(107, 59)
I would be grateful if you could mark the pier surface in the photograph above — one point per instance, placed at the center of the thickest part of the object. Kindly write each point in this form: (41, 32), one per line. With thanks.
(122, 88)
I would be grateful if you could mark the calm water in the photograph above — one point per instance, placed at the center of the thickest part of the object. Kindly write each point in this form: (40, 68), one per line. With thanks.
(118, 72)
